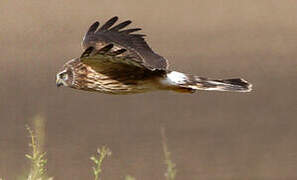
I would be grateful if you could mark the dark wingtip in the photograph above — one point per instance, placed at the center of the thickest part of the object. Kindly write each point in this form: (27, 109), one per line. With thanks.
(128, 31)
(109, 23)
(121, 25)
(93, 27)
(115, 17)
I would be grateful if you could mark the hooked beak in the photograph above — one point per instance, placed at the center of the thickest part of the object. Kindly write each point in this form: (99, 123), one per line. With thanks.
(59, 82)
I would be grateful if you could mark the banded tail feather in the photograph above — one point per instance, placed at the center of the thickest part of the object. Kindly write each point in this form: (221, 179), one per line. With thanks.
(191, 83)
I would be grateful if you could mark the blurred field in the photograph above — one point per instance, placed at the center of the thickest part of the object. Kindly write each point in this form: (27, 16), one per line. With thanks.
(212, 135)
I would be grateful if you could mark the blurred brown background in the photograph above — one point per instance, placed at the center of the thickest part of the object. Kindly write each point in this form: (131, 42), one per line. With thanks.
(211, 135)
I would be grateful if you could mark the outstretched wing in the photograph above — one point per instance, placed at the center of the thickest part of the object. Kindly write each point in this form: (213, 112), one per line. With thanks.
(135, 46)
(116, 65)
(105, 60)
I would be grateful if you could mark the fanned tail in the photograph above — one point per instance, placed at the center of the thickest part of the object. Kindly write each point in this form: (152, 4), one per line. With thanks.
(191, 83)
(235, 85)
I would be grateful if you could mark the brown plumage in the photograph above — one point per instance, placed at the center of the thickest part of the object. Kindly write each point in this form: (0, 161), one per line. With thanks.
(117, 61)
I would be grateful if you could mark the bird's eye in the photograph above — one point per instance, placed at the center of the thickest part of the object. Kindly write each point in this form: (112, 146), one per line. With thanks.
(64, 76)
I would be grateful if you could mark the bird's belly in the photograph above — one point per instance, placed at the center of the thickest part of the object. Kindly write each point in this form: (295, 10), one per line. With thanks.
(116, 83)
(118, 88)
(112, 86)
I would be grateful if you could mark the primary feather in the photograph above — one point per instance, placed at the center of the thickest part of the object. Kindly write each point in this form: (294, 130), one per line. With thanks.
(135, 44)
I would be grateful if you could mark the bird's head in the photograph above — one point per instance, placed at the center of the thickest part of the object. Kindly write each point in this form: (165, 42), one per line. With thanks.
(64, 77)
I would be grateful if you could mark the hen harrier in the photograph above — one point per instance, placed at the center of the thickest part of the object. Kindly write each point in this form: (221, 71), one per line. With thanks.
(118, 61)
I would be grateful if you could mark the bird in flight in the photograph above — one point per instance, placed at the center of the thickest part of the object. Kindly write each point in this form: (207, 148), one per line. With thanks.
(119, 61)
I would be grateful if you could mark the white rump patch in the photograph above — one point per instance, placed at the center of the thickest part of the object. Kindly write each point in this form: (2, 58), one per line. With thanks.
(175, 78)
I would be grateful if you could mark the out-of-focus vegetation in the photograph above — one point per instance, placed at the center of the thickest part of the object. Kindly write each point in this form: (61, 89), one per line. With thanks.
(38, 159)
(37, 156)
(170, 173)
(128, 177)
(102, 153)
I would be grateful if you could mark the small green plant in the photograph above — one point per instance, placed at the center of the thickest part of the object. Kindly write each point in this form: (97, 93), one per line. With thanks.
(38, 161)
(102, 153)
(37, 157)
(128, 177)
(170, 173)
